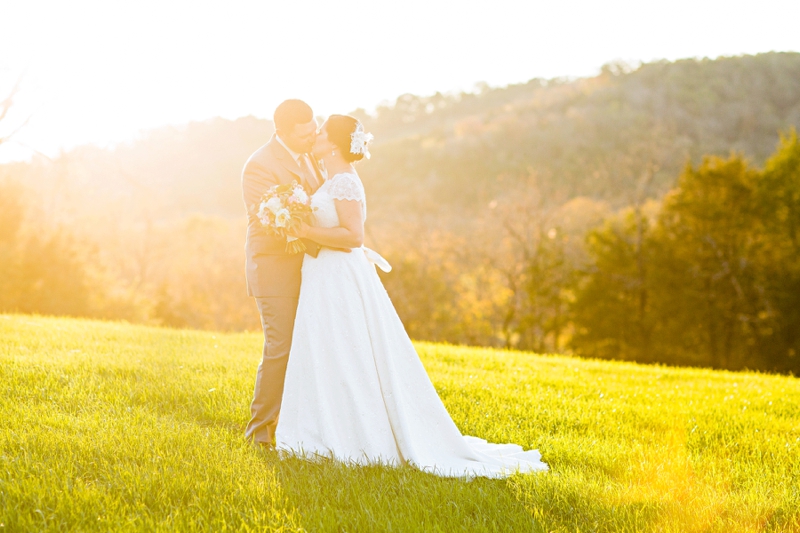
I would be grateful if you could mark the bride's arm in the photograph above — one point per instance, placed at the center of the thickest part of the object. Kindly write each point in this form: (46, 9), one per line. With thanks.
(349, 233)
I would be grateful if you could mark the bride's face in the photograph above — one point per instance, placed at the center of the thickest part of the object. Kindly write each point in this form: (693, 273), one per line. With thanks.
(322, 146)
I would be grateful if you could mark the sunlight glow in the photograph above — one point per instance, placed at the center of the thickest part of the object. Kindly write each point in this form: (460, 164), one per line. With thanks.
(102, 71)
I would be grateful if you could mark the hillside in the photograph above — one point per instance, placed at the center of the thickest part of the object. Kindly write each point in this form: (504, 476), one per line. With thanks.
(594, 137)
(109, 426)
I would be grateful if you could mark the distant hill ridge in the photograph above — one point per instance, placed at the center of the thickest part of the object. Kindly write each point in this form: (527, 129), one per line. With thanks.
(593, 137)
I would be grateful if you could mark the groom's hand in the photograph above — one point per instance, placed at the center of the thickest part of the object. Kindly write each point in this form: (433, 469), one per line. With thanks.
(313, 248)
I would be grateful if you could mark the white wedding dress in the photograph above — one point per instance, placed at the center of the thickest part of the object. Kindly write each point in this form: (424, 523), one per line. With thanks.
(355, 388)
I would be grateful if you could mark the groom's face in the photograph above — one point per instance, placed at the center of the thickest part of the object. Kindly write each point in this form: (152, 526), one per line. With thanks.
(301, 138)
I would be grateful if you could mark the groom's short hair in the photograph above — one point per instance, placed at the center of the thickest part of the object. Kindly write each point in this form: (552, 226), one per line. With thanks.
(290, 113)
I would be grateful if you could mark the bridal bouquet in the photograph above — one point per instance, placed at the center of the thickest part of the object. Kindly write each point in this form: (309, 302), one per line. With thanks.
(284, 207)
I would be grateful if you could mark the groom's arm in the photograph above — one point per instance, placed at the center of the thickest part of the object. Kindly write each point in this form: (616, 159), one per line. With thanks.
(256, 180)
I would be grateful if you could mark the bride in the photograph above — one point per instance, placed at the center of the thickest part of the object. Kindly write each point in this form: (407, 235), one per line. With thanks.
(355, 388)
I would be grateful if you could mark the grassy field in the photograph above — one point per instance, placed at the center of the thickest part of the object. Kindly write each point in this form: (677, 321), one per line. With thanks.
(113, 427)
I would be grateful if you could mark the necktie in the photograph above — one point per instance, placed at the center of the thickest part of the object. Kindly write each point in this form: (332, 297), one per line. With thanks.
(308, 172)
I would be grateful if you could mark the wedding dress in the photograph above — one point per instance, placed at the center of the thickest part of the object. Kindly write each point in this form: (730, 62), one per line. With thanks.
(355, 388)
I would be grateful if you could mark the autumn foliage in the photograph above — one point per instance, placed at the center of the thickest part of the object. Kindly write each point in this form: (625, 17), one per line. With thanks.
(649, 213)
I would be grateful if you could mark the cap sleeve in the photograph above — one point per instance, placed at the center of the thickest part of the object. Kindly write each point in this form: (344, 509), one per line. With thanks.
(346, 187)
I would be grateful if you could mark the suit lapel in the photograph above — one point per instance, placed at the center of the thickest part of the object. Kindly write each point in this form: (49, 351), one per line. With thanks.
(285, 158)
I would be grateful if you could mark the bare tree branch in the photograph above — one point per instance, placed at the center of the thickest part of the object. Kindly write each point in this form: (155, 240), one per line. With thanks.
(6, 104)
(15, 131)
(32, 149)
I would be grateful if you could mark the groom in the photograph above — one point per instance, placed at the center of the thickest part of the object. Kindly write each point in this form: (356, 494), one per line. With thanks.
(273, 276)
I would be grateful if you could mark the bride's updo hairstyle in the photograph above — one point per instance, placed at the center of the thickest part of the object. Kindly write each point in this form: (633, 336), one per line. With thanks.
(339, 129)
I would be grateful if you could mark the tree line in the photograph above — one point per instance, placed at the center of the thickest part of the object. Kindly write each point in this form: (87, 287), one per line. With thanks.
(709, 275)
(602, 216)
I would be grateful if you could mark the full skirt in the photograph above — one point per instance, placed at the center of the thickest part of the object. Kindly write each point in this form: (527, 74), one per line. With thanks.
(356, 390)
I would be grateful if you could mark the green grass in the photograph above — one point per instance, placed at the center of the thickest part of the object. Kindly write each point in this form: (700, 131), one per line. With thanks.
(113, 427)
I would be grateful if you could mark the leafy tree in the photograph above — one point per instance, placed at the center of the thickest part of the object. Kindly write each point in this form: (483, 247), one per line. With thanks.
(779, 208)
(714, 281)
(711, 281)
(612, 306)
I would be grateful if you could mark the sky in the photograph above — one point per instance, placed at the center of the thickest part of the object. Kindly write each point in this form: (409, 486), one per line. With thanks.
(103, 72)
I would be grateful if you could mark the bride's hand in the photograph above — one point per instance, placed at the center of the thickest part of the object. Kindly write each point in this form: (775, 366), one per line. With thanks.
(301, 231)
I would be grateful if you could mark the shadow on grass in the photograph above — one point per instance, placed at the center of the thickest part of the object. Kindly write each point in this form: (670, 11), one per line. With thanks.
(331, 496)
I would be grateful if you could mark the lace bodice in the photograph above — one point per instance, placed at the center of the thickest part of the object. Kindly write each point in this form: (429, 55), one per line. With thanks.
(344, 186)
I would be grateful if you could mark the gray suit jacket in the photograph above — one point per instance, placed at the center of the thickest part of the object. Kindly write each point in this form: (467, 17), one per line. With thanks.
(270, 271)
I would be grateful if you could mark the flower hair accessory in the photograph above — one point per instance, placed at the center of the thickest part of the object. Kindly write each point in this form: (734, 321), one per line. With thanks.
(359, 141)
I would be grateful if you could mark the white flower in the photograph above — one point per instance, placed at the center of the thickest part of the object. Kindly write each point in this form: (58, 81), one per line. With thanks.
(300, 194)
(282, 218)
(359, 141)
(274, 204)
(262, 213)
